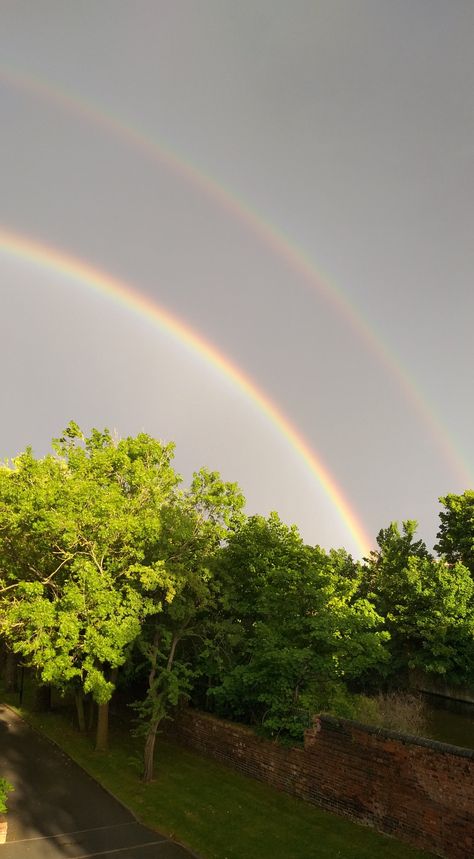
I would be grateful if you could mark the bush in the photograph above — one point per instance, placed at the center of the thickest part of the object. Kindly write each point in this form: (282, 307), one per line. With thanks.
(393, 710)
(5, 788)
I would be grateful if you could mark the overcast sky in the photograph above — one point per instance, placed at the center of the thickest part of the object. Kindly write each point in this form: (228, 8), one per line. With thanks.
(348, 127)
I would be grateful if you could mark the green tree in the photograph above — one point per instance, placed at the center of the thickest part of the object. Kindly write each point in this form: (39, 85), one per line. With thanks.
(292, 630)
(456, 532)
(432, 616)
(194, 523)
(395, 547)
(427, 605)
(74, 542)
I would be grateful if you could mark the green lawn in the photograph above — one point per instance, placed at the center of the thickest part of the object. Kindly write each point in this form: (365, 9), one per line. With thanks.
(213, 810)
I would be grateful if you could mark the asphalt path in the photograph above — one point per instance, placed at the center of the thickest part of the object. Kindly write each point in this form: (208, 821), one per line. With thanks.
(57, 811)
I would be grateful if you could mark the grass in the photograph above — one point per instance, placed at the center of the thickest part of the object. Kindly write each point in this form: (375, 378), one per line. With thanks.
(208, 807)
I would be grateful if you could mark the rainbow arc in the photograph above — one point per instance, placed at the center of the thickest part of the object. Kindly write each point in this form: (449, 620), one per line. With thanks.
(53, 259)
(279, 244)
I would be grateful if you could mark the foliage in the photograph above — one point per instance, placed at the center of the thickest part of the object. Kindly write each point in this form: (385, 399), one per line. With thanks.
(193, 525)
(291, 629)
(428, 606)
(76, 527)
(456, 532)
(5, 788)
(107, 562)
(395, 548)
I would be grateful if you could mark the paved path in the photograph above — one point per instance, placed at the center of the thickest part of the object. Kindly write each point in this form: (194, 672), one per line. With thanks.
(58, 812)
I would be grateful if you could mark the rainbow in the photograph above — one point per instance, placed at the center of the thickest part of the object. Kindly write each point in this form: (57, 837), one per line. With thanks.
(293, 256)
(52, 259)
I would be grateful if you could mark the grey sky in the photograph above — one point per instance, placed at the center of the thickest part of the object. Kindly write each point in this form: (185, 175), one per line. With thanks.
(349, 126)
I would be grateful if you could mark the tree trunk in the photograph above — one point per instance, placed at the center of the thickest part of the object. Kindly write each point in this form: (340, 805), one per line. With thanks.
(159, 705)
(90, 721)
(149, 752)
(3, 657)
(102, 735)
(43, 698)
(81, 719)
(11, 672)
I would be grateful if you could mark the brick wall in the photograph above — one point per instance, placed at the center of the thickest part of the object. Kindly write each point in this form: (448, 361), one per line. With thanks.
(418, 790)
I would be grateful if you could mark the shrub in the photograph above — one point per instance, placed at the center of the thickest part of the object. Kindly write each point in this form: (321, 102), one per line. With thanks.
(393, 710)
(5, 788)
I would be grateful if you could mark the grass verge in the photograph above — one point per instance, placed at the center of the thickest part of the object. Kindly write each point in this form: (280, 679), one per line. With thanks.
(216, 812)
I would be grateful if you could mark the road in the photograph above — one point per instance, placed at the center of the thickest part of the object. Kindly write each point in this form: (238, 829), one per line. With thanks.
(57, 811)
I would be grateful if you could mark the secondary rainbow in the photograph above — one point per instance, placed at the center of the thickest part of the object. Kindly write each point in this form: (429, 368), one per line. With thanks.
(268, 233)
(53, 259)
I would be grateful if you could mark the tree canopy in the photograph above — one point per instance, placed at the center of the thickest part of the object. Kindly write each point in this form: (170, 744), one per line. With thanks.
(291, 629)
(76, 530)
(456, 532)
(113, 572)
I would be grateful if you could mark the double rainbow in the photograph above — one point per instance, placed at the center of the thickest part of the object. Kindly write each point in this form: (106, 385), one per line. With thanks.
(266, 232)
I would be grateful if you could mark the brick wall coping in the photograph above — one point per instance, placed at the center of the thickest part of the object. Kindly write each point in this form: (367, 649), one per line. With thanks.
(339, 722)
(387, 734)
(203, 714)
